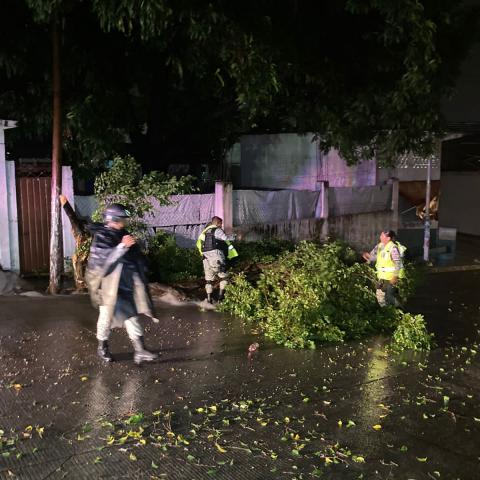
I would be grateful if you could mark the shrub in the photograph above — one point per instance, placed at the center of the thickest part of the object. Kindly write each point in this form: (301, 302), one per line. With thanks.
(169, 263)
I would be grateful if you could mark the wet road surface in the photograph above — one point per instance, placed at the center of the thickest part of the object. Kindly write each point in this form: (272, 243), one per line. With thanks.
(207, 410)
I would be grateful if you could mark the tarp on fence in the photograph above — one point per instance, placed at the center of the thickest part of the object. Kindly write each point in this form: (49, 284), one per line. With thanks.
(184, 210)
(355, 200)
(257, 206)
(185, 217)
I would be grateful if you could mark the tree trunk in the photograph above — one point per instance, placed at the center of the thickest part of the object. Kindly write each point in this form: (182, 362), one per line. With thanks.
(56, 253)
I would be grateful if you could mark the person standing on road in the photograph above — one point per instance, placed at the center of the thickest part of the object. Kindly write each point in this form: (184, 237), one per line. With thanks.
(215, 248)
(116, 277)
(388, 265)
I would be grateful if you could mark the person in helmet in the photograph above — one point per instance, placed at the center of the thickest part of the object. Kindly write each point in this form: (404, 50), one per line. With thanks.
(215, 248)
(387, 256)
(116, 276)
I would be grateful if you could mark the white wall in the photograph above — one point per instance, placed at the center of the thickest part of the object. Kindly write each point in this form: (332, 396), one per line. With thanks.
(460, 201)
(9, 249)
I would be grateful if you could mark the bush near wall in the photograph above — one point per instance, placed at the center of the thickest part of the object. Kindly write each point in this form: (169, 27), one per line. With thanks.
(169, 263)
(320, 293)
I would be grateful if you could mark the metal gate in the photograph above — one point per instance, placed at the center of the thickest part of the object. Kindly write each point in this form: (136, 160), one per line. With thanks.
(33, 198)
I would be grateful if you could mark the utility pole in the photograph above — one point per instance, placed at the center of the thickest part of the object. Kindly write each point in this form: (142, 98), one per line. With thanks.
(55, 225)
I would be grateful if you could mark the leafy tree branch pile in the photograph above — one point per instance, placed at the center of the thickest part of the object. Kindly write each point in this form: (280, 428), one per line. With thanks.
(320, 294)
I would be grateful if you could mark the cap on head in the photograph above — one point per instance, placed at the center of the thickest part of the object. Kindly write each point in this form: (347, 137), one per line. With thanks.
(116, 212)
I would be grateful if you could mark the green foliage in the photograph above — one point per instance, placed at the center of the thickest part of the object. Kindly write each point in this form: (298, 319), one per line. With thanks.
(264, 251)
(169, 263)
(410, 333)
(241, 66)
(243, 299)
(317, 293)
(123, 183)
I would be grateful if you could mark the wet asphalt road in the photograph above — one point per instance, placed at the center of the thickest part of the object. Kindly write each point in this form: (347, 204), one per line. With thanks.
(206, 410)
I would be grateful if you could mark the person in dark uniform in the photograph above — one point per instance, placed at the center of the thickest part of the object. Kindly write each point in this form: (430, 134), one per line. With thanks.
(116, 277)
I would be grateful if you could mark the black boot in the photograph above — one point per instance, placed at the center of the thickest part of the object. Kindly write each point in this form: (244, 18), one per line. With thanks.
(209, 298)
(103, 351)
(221, 295)
(141, 354)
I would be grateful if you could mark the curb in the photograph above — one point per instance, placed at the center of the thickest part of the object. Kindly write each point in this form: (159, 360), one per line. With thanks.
(455, 268)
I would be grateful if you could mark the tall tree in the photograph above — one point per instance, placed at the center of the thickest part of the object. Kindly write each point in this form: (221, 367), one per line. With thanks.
(180, 77)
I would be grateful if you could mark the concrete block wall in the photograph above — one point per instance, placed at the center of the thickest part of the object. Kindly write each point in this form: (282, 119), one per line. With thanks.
(362, 230)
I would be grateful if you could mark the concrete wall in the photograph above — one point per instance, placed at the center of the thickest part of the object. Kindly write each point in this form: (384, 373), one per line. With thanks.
(293, 230)
(335, 171)
(292, 161)
(361, 231)
(279, 161)
(460, 201)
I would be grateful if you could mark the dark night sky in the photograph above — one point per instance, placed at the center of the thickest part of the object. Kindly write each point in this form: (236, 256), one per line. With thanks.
(464, 106)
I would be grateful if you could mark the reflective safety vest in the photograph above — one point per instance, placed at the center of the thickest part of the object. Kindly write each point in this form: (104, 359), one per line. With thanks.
(385, 265)
(231, 252)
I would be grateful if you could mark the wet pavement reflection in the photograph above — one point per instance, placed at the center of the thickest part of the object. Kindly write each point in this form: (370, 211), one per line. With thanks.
(341, 411)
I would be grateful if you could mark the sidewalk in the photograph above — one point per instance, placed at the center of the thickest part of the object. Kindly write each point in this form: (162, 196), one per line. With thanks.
(467, 256)
(205, 410)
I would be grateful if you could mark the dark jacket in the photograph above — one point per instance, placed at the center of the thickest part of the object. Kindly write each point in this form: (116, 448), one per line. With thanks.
(117, 275)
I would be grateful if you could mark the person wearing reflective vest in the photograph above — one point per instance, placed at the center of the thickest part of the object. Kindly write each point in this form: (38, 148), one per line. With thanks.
(215, 247)
(388, 258)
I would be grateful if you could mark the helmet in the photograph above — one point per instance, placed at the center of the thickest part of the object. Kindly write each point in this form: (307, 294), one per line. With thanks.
(115, 212)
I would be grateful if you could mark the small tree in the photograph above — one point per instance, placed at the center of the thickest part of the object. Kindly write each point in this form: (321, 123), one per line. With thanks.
(124, 183)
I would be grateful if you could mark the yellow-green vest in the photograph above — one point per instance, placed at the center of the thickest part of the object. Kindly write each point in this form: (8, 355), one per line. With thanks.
(385, 265)
(232, 253)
